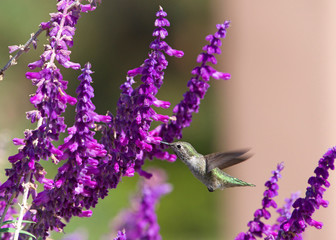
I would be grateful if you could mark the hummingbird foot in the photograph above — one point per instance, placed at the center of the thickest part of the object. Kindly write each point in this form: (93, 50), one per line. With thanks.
(210, 189)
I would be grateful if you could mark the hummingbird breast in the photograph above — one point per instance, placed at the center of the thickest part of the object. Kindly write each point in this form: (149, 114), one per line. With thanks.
(197, 166)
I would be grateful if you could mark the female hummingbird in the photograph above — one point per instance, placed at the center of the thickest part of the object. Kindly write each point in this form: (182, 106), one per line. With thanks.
(207, 168)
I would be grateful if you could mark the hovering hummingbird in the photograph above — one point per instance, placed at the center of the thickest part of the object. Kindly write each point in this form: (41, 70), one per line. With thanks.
(207, 168)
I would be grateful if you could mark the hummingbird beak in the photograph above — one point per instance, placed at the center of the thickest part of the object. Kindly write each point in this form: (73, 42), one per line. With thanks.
(165, 143)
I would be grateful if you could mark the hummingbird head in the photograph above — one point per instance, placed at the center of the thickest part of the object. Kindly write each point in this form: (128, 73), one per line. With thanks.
(183, 150)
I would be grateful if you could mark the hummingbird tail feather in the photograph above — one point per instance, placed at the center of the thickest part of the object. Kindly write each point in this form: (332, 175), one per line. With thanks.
(240, 183)
(229, 181)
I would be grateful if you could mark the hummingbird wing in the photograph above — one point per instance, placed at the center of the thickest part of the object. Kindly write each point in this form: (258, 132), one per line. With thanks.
(224, 159)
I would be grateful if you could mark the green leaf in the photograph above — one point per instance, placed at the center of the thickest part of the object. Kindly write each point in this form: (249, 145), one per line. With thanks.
(8, 222)
(14, 221)
(12, 230)
(9, 230)
(27, 233)
(27, 221)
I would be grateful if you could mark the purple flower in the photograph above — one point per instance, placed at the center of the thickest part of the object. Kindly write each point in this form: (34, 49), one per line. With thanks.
(257, 227)
(285, 211)
(291, 225)
(77, 235)
(92, 168)
(76, 186)
(61, 29)
(121, 236)
(129, 141)
(141, 222)
(198, 86)
(50, 101)
(305, 207)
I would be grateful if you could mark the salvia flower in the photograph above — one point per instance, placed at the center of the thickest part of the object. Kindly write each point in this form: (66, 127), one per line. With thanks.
(257, 228)
(305, 207)
(61, 29)
(135, 111)
(50, 101)
(285, 211)
(75, 186)
(92, 168)
(141, 222)
(198, 86)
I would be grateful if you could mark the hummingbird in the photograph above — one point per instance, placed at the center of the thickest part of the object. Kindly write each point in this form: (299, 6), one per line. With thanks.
(207, 168)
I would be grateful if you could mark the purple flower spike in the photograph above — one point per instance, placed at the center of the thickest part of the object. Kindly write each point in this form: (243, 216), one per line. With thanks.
(258, 228)
(285, 211)
(132, 140)
(141, 222)
(76, 183)
(61, 31)
(305, 207)
(198, 86)
(50, 101)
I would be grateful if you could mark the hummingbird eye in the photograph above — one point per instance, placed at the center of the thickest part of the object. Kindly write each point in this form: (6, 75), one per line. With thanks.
(179, 146)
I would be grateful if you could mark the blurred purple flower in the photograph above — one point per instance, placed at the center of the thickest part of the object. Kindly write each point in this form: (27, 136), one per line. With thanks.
(121, 236)
(141, 221)
(77, 235)
(257, 227)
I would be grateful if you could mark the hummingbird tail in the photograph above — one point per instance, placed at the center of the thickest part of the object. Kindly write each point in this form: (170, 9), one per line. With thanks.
(240, 183)
(229, 181)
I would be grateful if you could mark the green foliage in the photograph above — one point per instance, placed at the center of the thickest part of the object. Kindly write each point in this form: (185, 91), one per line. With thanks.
(12, 230)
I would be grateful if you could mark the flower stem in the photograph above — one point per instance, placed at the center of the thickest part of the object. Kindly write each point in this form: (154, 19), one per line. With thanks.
(23, 206)
(24, 48)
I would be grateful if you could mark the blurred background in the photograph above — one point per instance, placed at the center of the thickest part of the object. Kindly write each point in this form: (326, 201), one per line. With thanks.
(279, 101)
